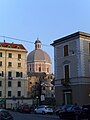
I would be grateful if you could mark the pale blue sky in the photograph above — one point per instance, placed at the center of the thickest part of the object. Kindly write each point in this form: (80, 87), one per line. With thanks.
(46, 19)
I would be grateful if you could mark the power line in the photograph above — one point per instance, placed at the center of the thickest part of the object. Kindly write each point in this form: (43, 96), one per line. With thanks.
(21, 40)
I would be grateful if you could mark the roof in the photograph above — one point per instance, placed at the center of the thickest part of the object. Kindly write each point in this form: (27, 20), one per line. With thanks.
(12, 45)
(71, 36)
(37, 41)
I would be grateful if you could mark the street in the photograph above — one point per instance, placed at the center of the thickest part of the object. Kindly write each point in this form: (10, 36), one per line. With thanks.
(25, 116)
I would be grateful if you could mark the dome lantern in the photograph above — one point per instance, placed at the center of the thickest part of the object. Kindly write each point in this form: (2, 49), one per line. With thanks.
(37, 44)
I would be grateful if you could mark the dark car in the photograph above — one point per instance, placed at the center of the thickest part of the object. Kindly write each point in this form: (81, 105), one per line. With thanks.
(24, 108)
(85, 113)
(71, 113)
(61, 108)
(5, 115)
(58, 110)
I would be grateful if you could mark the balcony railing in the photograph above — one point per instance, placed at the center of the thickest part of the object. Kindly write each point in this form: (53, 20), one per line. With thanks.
(65, 82)
(10, 78)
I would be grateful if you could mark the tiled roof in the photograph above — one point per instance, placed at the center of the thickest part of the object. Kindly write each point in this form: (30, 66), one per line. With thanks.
(12, 45)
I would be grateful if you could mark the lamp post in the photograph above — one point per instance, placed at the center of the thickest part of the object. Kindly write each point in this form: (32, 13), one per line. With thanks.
(37, 100)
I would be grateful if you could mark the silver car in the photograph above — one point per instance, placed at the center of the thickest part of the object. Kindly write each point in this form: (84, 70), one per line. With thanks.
(44, 109)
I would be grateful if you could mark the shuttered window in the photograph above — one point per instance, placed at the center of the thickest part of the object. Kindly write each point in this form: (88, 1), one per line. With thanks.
(66, 50)
(66, 73)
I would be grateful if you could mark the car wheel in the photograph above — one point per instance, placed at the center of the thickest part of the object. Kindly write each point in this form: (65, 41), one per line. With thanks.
(35, 112)
(43, 113)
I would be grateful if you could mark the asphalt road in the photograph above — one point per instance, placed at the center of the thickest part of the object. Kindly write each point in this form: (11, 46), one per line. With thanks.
(25, 116)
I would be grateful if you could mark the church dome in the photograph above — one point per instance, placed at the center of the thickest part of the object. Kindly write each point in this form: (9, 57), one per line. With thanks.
(38, 54)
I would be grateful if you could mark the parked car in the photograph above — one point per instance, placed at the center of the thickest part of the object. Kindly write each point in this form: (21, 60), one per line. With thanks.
(85, 113)
(24, 108)
(58, 109)
(61, 108)
(43, 109)
(72, 113)
(5, 115)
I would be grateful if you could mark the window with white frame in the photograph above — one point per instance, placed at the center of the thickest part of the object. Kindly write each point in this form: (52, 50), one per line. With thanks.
(0, 54)
(9, 55)
(0, 63)
(9, 64)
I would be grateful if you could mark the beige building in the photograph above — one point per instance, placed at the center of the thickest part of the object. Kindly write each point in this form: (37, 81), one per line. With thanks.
(13, 74)
(72, 68)
(40, 76)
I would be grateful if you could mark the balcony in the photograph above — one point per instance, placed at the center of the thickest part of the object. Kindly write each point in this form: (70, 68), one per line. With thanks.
(10, 78)
(65, 82)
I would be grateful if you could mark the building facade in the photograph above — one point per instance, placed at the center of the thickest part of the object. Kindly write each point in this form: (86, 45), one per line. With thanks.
(39, 74)
(72, 68)
(13, 74)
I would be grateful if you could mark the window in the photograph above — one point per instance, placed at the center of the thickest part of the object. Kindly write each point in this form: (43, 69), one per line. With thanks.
(8, 46)
(0, 83)
(19, 94)
(66, 50)
(66, 71)
(89, 48)
(30, 82)
(47, 69)
(9, 83)
(1, 74)
(9, 93)
(43, 88)
(19, 83)
(9, 64)
(52, 95)
(10, 55)
(9, 74)
(19, 64)
(0, 63)
(19, 56)
(67, 95)
(51, 88)
(18, 47)
(19, 74)
(0, 54)
(39, 68)
(0, 93)
(30, 68)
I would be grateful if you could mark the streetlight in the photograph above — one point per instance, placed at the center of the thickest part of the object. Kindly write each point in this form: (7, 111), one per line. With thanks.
(37, 100)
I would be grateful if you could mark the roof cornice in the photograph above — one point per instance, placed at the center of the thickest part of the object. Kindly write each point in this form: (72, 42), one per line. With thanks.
(71, 37)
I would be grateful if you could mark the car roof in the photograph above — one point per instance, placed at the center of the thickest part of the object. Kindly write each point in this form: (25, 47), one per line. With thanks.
(3, 110)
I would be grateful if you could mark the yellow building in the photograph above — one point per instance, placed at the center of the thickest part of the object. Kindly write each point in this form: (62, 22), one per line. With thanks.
(13, 74)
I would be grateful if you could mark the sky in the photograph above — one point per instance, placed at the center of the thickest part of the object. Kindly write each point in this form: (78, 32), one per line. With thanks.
(46, 20)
